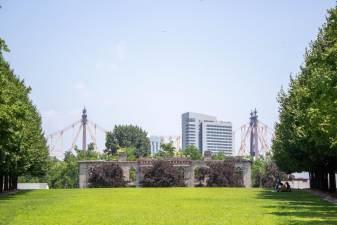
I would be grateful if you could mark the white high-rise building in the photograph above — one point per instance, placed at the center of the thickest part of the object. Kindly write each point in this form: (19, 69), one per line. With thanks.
(155, 144)
(156, 141)
(206, 133)
(217, 137)
(192, 128)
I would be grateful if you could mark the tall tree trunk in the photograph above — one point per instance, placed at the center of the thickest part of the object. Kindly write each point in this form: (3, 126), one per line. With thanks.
(316, 179)
(313, 181)
(16, 183)
(11, 182)
(6, 183)
(1, 182)
(332, 180)
(324, 181)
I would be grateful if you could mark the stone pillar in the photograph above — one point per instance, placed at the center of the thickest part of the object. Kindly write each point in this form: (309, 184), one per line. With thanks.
(126, 172)
(138, 176)
(83, 174)
(207, 155)
(122, 157)
(191, 180)
(247, 179)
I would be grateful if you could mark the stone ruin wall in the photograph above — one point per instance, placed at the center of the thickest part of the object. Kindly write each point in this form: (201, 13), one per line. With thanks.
(188, 166)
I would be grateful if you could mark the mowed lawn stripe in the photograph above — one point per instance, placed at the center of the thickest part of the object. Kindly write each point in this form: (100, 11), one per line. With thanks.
(165, 206)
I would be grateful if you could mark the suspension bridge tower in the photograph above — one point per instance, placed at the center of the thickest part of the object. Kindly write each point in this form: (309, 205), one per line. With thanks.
(254, 143)
(255, 137)
(83, 126)
(84, 122)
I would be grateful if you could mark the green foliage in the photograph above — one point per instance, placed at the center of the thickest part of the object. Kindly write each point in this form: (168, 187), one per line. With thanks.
(193, 152)
(23, 149)
(64, 173)
(90, 154)
(218, 156)
(132, 174)
(128, 136)
(131, 153)
(265, 173)
(306, 135)
(258, 168)
(167, 151)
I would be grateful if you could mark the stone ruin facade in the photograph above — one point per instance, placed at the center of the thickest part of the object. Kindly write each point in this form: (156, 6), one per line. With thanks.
(139, 166)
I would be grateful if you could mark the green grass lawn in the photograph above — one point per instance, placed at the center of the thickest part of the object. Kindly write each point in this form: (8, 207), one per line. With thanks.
(165, 206)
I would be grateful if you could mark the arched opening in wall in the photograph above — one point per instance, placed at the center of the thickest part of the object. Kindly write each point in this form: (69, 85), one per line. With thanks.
(132, 175)
(200, 175)
(239, 175)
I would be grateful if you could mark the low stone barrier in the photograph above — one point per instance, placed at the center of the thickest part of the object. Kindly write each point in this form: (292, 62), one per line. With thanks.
(188, 166)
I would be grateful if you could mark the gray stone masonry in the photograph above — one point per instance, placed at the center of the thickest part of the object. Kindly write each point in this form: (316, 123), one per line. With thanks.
(187, 164)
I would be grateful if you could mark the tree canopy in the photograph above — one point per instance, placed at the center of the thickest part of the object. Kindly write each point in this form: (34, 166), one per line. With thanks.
(23, 148)
(128, 136)
(192, 152)
(306, 135)
(167, 150)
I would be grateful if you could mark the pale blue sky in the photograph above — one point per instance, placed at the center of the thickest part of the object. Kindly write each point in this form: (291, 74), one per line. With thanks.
(146, 62)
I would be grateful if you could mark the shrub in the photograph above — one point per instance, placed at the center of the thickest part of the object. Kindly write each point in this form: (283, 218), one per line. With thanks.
(163, 174)
(224, 174)
(265, 173)
(271, 174)
(218, 156)
(106, 175)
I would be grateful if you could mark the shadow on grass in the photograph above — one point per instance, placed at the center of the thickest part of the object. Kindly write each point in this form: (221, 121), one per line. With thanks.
(300, 207)
(11, 195)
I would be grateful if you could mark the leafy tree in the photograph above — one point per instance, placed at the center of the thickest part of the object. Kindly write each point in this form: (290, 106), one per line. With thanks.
(128, 136)
(167, 150)
(306, 135)
(163, 174)
(23, 149)
(90, 154)
(258, 168)
(192, 152)
(64, 173)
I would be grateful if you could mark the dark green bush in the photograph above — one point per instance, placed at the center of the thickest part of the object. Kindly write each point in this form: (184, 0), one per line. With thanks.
(163, 174)
(106, 175)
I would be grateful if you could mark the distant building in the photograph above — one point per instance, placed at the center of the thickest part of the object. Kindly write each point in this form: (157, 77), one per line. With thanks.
(206, 133)
(156, 141)
(192, 128)
(217, 137)
(155, 144)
